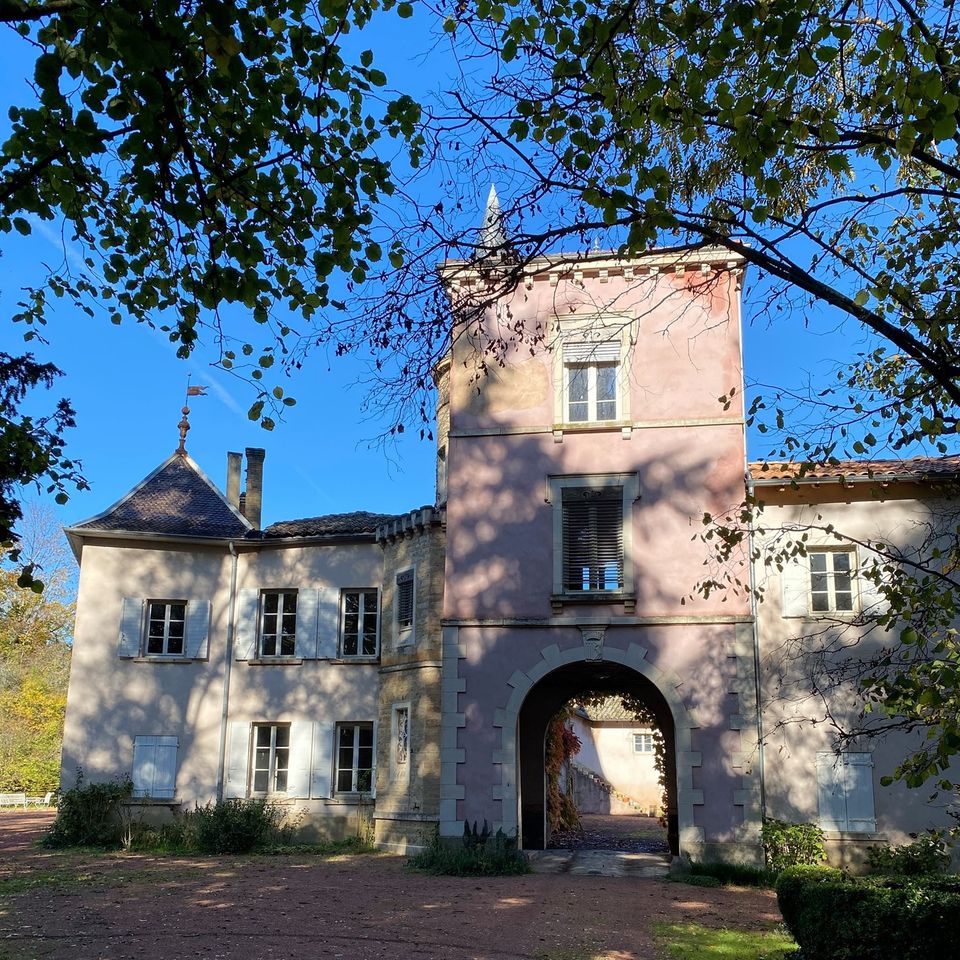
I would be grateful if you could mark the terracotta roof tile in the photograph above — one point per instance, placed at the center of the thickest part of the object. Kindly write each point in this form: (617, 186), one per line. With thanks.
(912, 467)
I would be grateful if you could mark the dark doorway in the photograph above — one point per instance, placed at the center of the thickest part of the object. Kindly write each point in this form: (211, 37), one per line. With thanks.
(542, 703)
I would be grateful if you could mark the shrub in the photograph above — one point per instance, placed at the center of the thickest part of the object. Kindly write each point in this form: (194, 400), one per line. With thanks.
(791, 844)
(231, 826)
(738, 874)
(90, 815)
(926, 855)
(836, 917)
(495, 856)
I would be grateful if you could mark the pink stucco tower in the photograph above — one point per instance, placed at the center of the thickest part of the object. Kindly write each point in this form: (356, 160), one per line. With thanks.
(595, 416)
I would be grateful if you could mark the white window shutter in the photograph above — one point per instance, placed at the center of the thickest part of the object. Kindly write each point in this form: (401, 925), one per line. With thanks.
(238, 756)
(131, 627)
(165, 771)
(328, 622)
(322, 764)
(198, 629)
(830, 793)
(858, 777)
(301, 743)
(373, 773)
(308, 603)
(795, 580)
(245, 628)
(144, 765)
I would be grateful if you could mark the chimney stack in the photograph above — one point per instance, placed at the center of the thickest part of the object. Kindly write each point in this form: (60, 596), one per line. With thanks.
(253, 495)
(233, 479)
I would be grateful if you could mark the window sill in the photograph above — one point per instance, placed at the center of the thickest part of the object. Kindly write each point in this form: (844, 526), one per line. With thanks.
(153, 802)
(349, 800)
(362, 660)
(276, 662)
(847, 835)
(160, 658)
(629, 600)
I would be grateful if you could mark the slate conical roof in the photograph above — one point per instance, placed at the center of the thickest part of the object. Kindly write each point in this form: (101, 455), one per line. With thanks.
(177, 499)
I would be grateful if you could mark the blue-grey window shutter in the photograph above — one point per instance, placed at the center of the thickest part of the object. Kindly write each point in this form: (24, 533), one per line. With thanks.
(322, 767)
(858, 777)
(795, 580)
(198, 629)
(245, 628)
(165, 777)
(301, 744)
(830, 793)
(328, 622)
(308, 604)
(144, 765)
(238, 756)
(131, 627)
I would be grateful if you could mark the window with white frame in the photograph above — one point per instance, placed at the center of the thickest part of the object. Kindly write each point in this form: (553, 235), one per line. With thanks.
(355, 754)
(592, 531)
(592, 539)
(400, 748)
(166, 623)
(405, 604)
(154, 772)
(359, 623)
(271, 758)
(845, 792)
(278, 623)
(643, 743)
(590, 385)
(831, 580)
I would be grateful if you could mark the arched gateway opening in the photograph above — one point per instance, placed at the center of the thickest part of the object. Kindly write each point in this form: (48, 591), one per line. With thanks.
(542, 702)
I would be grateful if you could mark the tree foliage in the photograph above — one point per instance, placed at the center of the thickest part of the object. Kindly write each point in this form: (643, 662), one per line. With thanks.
(34, 659)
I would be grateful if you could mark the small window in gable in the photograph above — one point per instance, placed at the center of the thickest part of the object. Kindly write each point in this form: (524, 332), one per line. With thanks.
(278, 623)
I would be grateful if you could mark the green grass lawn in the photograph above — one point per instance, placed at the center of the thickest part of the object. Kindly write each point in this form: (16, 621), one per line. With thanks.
(690, 941)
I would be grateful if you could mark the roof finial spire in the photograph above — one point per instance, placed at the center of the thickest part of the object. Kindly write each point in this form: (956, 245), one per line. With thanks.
(493, 236)
(184, 424)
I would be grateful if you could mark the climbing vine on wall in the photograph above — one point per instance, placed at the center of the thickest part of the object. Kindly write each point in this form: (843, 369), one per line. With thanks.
(561, 744)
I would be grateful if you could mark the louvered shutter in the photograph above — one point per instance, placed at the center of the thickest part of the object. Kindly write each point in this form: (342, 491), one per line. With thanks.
(198, 629)
(830, 793)
(406, 588)
(328, 622)
(238, 756)
(605, 352)
(858, 784)
(593, 539)
(131, 627)
(245, 640)
(872, 601)
(322, 764)
(301, 741)
(308, 603)
(795, 583)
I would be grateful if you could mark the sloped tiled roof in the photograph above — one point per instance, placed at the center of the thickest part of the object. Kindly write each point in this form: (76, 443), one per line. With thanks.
(610, 708)
(176, 499)
(330, 525)
(908, 469)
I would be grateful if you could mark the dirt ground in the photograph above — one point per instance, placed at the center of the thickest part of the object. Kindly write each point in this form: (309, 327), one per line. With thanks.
(95, 907)
(629, 832)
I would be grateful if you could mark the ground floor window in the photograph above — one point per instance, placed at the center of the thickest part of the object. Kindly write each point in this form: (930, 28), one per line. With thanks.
(271, 757)
(355, 757)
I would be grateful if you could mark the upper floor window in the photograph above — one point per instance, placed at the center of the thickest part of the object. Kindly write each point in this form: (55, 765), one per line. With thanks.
(166, 622)
(278, 623)
(593, 538)
(592, 533)
(405, 604)
(590, 381)
(271, 758)
(831, 580)
(359, 623)
(643, 743)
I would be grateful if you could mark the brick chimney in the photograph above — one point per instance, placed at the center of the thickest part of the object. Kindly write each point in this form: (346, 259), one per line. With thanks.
(233, 479)
(253, 495)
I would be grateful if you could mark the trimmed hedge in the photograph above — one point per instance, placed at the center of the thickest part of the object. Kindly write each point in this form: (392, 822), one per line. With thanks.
(833, 916)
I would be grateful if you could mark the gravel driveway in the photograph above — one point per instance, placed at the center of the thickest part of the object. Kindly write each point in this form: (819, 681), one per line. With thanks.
(94, 907)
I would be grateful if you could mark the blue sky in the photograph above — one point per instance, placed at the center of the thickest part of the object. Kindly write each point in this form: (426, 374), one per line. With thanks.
(128, 387)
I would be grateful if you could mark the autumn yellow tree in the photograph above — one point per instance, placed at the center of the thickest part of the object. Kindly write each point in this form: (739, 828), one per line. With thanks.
(35, 659)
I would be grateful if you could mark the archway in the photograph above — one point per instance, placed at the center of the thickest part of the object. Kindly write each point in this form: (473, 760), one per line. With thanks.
(550, 694)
